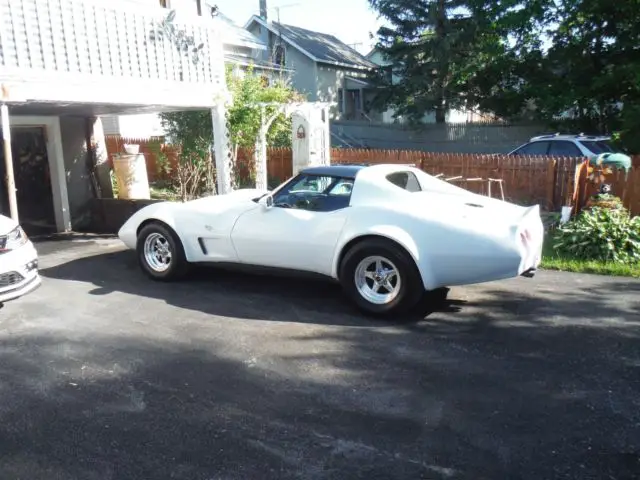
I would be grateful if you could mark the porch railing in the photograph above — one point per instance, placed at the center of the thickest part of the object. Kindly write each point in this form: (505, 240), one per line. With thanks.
(101, 38)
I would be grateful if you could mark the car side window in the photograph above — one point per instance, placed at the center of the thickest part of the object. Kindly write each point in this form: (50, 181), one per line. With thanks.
(563, 148)
(318, 193)
(533, 148)
(405, 180)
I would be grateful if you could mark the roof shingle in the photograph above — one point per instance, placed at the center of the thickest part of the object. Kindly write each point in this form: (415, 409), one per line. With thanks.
(324, 47)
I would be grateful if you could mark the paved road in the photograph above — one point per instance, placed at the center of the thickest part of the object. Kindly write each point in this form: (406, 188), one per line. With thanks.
(105, 375)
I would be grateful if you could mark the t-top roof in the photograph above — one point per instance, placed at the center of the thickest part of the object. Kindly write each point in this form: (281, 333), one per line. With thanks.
(347, 171)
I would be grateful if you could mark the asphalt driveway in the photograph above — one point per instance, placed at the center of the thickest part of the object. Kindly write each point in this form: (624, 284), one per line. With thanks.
(106, 375)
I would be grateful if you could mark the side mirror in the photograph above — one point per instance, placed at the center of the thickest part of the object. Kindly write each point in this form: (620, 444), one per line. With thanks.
(266, 201)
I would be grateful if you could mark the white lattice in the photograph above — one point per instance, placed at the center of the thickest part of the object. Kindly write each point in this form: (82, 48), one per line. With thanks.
(311, 113)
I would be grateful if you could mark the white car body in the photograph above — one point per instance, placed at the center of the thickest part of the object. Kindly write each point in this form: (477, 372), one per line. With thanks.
(19, 265)
(455, 237)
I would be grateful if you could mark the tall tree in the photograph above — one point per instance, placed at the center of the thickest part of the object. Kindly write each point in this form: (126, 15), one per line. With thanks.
(594, 64)
(454, 53)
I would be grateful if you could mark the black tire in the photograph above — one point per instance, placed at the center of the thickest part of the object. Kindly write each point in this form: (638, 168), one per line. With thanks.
(411, 288)
(177, 266)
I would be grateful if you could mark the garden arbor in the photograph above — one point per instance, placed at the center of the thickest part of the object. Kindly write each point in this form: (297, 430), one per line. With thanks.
(311, 140)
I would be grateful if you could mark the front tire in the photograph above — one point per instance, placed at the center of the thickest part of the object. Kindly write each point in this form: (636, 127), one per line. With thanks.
(380, 278)
(160, 253)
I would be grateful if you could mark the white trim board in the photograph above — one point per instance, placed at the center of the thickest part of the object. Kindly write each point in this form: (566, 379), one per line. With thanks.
(56, 164)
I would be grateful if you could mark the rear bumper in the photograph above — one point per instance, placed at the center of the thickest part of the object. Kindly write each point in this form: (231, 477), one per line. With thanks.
(18, 273)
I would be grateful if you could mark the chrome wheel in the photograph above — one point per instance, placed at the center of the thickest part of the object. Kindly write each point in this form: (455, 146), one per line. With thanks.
(157, 252)
(377, 280)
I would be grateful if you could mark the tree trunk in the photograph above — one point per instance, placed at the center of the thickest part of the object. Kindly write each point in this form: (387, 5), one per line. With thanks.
(443, 63)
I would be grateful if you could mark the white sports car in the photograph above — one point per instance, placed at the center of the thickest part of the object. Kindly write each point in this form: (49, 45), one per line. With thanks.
(387, 233)
(18, 262)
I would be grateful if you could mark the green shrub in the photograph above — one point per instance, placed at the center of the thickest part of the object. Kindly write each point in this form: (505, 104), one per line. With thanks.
(605, 200)
(606, 234)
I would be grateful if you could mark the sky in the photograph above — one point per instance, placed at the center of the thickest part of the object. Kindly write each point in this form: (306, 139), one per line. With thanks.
(349, 20)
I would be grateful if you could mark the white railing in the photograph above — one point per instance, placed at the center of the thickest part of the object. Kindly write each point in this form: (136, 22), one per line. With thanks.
(101, 38)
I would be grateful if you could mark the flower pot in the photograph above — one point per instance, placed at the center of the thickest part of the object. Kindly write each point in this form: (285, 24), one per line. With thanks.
(131, 176)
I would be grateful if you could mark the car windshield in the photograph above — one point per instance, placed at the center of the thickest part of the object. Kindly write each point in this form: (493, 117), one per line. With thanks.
(599, 146)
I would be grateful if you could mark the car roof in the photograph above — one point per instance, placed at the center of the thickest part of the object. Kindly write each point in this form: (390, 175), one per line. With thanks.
(344, 170)
(581, 136)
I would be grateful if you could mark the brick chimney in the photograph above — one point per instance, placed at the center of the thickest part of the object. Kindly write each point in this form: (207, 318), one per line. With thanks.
(263, 10)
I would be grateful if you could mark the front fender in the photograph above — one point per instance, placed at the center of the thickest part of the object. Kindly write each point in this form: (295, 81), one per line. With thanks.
(162, 212)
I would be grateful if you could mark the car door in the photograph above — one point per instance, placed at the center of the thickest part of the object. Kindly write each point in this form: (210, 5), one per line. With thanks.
(299, 231)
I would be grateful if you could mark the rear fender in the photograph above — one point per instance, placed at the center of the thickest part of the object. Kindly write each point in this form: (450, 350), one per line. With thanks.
(390, 232)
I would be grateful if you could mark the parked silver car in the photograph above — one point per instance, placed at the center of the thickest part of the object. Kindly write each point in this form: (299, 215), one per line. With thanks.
(565, 146)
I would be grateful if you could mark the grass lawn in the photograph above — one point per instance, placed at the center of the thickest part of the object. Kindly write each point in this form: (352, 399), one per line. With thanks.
(552, 261)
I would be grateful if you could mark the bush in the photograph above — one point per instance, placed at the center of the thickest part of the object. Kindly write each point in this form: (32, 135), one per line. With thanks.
(605, 234)
(604, 200)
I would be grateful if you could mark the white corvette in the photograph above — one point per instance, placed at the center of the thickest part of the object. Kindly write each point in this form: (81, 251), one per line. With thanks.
(387, 233)
(18, 262)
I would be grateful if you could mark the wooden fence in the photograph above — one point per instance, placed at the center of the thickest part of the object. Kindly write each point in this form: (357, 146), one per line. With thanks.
(549, 181)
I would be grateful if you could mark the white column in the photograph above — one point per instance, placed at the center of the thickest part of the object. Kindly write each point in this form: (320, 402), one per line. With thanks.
(221, 148)
(262, 182)
(326, 143)
(58, 174)
(8, 160)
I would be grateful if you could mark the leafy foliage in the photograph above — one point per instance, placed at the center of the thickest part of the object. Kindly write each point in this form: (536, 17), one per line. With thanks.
(245, 113)
(192, 131)
(452, 53)
(605, 234)
(572, 64)
(605, 201)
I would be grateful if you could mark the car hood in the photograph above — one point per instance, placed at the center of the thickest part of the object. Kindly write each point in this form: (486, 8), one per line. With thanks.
(6, 225)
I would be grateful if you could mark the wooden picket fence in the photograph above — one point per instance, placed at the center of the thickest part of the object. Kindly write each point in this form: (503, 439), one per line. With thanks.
(549, 181)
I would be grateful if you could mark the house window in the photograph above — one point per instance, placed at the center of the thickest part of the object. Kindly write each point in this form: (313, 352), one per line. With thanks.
(279, 56)
(387, 73)
(340, 101)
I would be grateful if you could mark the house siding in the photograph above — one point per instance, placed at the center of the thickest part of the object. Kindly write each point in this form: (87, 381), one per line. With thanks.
(303, 78)
(330, 81)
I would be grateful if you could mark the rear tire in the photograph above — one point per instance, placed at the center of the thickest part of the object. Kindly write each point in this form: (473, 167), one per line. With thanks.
(380, 278)
(160, 253)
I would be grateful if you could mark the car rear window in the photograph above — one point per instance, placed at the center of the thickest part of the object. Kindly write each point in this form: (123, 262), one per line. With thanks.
(600, 146)
(405, 180)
